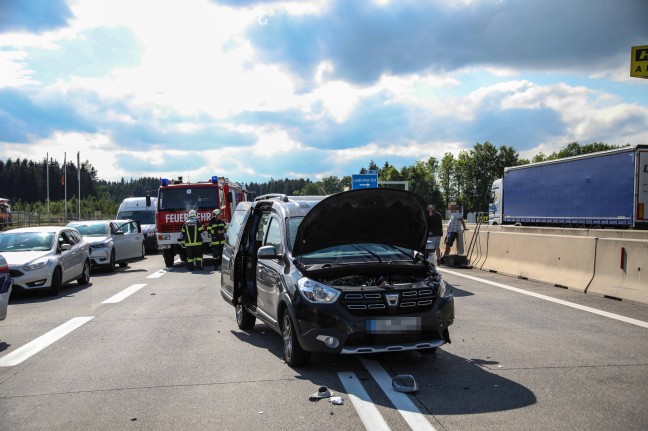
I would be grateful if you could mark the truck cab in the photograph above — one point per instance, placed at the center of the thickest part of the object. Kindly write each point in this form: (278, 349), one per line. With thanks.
(495, 204)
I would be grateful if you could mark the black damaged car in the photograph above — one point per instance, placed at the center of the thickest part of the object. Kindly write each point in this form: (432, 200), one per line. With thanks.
(340, 274)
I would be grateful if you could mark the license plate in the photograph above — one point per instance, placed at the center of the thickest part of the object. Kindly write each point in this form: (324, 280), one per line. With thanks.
(394, 325)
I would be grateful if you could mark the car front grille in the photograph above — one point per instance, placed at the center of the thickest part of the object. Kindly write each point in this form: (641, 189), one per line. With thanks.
(168, 227)
(378, 303)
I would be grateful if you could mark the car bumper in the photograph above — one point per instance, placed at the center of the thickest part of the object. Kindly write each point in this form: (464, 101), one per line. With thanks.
(99, 257)
(372, 333)
(28, 280)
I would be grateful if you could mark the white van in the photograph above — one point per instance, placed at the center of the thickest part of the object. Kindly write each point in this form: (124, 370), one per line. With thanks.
(143, 210)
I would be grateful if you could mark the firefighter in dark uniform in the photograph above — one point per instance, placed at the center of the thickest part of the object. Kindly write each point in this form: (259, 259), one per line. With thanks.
(216, 230)
(192, 239)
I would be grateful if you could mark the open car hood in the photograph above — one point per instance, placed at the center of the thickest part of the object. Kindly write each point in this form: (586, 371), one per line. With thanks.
(382, 216)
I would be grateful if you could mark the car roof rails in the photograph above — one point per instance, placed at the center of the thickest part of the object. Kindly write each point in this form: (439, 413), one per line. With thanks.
(282, 197)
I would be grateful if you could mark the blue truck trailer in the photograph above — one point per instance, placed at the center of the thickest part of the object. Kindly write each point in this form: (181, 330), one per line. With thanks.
(605, 189)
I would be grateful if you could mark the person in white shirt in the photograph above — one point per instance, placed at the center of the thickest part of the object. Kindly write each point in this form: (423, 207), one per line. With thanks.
(455, 226)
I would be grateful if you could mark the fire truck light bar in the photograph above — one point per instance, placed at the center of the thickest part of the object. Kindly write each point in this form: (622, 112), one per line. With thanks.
(165, 181)
(214, 179)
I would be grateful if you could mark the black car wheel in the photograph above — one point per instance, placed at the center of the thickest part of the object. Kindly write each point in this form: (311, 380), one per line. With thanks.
(85, 275)
(244, 319)
(293, 352)
(111, 263)
(55, 288)
(143, 250)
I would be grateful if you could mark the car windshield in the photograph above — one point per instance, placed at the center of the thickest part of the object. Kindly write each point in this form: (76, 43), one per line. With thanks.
(349, 253)
(92, 229)
(358, 253)
(188, 198)
(144, 217)
(26, 241)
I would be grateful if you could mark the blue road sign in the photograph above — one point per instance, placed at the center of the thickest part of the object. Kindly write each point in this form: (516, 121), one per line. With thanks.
(364, 181)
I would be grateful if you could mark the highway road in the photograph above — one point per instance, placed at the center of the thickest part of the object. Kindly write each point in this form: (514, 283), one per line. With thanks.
(147, 348)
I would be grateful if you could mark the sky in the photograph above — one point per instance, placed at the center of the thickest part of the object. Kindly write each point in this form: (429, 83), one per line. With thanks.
(261, 89)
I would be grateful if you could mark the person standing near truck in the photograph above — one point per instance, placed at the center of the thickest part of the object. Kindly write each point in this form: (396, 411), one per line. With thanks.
(455, 226)
(192, 231)
(216, 230)
(435, 229)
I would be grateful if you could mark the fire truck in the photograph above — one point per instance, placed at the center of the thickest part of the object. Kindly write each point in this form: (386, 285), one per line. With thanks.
(176, 199)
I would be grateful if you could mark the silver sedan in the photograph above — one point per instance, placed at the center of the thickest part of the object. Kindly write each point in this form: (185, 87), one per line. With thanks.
(46, 257)
(112, 241)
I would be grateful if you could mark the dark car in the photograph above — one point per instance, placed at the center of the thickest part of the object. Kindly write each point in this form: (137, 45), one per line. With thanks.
(340, 274)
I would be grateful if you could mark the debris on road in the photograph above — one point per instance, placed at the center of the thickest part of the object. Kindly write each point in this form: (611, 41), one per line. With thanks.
(323, 392)
(404, 383)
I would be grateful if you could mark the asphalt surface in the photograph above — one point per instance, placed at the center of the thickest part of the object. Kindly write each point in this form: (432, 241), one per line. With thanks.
(169, 356)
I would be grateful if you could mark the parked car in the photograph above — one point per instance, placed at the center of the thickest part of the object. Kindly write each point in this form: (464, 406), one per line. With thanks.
(46, 257)
(344, 274)
(142, 210)
(5, 287)
(112, 241)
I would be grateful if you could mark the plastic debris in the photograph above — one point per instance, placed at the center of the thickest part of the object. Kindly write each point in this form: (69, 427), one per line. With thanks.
(338, 401)
(323, 392)
(404, 383)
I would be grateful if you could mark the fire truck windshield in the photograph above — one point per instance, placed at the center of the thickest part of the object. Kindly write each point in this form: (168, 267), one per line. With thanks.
(188, 198)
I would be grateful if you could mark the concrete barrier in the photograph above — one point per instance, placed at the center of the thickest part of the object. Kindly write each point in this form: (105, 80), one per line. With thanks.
(559, 260)
(621, 270)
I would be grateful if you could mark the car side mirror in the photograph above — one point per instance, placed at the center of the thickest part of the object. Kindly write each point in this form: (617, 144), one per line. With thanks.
(66, 247)
(268, 252)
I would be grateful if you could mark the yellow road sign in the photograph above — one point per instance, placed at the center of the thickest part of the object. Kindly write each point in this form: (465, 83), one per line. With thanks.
(639, 61)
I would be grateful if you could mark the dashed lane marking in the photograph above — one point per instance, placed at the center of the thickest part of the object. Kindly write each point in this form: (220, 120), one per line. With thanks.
(123, 294)
(157, 274)
(35, 346)
(550, 299)
(368, 412)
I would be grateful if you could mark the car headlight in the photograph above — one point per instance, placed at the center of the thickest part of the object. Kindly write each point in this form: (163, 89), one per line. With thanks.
(35, 265)
(317, 292)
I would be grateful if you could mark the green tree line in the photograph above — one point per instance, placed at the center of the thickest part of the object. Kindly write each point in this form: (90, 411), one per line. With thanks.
(465, 179)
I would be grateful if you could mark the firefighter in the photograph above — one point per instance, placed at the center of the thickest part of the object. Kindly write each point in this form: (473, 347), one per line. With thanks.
(192, 239)
(216, 230)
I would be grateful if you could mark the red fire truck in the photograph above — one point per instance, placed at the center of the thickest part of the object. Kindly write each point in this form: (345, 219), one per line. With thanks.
(176, 199)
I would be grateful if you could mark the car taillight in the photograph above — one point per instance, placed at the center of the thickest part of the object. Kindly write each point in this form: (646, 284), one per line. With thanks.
(4, 268)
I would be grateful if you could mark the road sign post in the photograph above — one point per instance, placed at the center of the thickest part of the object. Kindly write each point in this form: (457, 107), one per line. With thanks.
(364, 181)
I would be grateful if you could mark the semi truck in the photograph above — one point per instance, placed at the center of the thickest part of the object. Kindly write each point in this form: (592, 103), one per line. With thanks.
(176, 198)
(597, 190)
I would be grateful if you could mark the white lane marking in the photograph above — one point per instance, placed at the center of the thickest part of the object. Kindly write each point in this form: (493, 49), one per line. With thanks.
(412, 415)
(157, 274)
(35, 346)
(368, 412)
(123, 294)
(550, 299)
